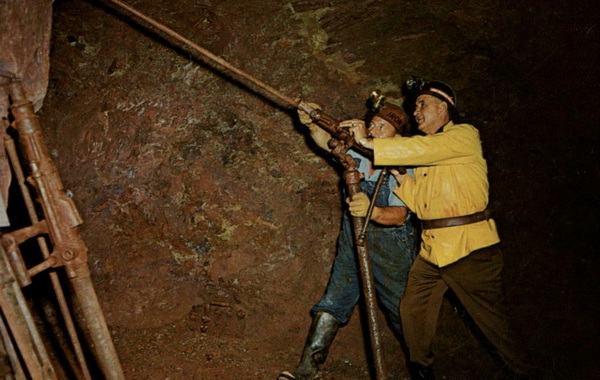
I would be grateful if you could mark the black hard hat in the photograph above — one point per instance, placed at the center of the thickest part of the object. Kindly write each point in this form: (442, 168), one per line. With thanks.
(440, 90)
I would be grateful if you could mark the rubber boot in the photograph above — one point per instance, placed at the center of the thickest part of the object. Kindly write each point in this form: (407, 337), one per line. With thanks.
(320, 336)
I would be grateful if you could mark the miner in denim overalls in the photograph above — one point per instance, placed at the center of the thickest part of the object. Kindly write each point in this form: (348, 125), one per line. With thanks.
(391, 241)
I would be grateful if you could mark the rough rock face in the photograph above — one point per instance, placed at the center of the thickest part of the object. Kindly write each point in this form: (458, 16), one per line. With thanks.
(25, 28)
(212, 222)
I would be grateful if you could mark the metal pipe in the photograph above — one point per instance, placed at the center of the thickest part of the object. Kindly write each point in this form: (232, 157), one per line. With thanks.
(15, 363)
(48, 262)
(352, 179)
(63, 219)
(93, 319)
(217, 62)
(363, 233)
(24, 331)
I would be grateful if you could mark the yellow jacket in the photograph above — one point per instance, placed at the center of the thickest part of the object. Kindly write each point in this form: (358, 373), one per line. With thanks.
(450, 180)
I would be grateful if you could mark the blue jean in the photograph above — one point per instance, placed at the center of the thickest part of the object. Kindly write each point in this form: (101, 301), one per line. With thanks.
(392, 250)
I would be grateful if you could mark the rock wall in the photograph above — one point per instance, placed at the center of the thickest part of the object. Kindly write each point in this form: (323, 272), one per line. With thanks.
(25, 28)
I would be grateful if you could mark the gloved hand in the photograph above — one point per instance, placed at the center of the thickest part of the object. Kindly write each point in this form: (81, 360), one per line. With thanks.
(359, 205)
(305, 117)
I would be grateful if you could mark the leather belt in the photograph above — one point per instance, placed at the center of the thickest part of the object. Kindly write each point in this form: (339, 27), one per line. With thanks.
(455, 221)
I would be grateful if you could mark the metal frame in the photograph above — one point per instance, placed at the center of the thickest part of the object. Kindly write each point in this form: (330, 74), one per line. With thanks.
(58, 238)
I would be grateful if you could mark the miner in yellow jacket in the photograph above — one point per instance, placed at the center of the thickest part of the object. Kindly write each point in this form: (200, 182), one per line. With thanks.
(459, 248)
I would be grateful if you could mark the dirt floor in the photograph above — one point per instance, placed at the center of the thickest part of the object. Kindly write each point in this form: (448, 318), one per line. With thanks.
(212, 222)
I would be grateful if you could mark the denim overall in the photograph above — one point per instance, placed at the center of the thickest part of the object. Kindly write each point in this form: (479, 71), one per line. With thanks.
(392, 250)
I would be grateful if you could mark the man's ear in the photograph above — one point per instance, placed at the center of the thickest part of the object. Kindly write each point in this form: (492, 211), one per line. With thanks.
(443, 107)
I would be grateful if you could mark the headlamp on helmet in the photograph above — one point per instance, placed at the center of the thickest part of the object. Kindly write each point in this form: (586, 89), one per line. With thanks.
(417, 86)
(395, 115)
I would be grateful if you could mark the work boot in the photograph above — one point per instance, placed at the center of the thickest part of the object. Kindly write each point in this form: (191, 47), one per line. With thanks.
(320, 336)
(419, 372)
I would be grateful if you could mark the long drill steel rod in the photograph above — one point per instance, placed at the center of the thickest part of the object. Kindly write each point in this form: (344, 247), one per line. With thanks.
(217, 62)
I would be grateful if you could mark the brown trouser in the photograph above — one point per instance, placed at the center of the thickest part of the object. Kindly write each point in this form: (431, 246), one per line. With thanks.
(477, 282)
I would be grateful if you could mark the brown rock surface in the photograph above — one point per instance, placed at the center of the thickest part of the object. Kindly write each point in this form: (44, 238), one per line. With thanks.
(25, 28)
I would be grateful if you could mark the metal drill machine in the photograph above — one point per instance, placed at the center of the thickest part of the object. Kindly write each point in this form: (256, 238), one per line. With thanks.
(43, 240)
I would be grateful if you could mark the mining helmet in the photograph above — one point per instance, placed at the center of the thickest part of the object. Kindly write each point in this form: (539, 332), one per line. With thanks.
(393, 115)
(440, 90)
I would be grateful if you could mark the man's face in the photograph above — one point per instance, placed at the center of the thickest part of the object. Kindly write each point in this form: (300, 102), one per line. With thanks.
(430, 113)
(381, 129)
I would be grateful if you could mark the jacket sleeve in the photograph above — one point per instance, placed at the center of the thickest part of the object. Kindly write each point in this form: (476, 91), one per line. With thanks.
(458, 144)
